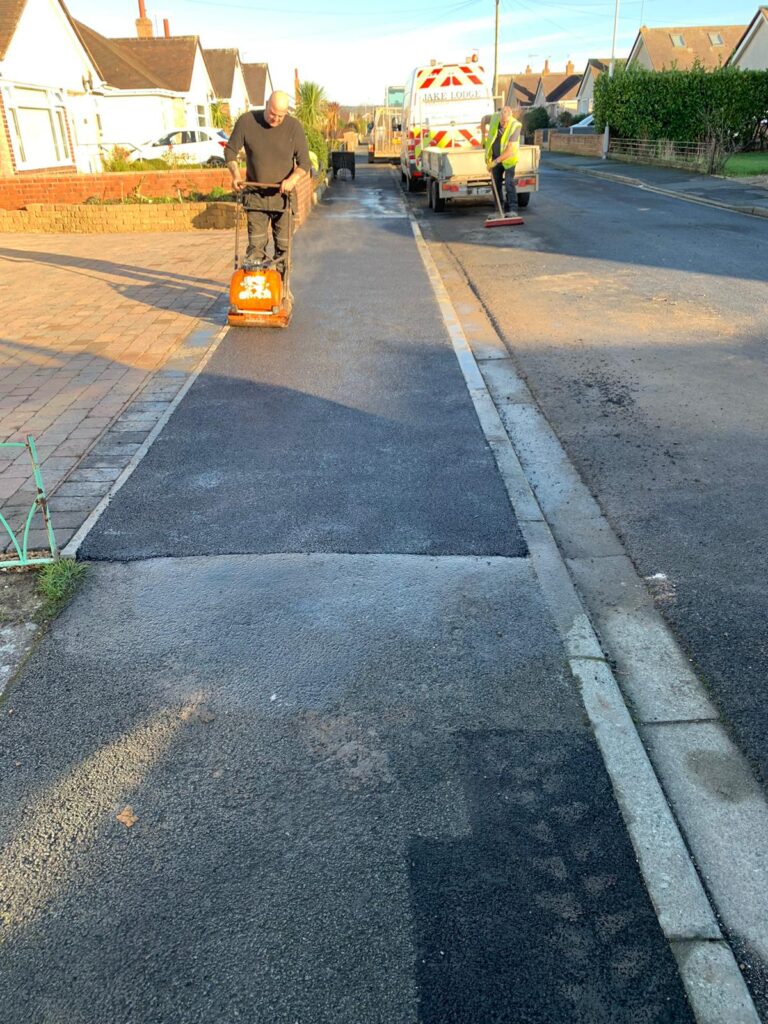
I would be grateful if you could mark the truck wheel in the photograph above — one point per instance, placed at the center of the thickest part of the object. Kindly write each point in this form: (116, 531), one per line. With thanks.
(370, 157)
(438, 203)
(430, 194)
(523, 198)
(413, 185)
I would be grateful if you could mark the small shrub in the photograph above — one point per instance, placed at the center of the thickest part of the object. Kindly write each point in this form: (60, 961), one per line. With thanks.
(535, 118)
(57, 582)
(217, 193)
(318, 145)
(116, 159)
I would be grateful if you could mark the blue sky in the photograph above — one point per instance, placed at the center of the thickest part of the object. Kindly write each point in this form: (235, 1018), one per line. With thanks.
(356, 47)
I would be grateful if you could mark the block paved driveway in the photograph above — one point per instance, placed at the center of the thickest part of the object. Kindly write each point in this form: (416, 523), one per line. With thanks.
(87, 320)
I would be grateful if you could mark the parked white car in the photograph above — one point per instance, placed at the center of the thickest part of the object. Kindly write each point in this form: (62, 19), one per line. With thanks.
(197, 145)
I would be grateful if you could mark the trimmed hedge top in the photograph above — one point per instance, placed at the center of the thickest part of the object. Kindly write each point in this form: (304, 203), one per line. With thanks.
(685, 106)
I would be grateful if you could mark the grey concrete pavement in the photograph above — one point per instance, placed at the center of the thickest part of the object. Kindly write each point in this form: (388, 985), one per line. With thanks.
(363, 785)
(737, 194)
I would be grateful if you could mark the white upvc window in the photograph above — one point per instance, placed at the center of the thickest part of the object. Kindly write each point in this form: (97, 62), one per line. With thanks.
(37, 120)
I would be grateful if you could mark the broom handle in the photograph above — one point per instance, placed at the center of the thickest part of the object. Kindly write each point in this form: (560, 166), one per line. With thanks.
(496, 193)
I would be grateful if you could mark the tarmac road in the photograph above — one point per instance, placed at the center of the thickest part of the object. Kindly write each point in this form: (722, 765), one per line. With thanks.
(362, 787)
(639, 324)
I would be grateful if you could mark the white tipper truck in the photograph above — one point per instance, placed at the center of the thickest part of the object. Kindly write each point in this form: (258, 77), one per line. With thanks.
(459, 174)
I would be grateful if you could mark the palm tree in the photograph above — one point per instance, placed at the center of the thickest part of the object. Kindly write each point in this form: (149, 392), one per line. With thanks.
(220, 117)
(332, 117)
(310, 109)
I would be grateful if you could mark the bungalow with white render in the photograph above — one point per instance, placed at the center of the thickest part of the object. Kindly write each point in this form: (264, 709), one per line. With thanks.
(48, 116)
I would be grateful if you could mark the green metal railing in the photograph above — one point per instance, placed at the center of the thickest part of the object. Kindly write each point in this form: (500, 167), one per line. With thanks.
(40, 502)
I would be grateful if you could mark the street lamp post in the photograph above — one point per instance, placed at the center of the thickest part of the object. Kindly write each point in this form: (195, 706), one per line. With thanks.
(612, 67)
(496, 55)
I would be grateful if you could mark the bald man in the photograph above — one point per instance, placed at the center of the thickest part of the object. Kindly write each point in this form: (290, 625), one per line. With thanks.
(275, 152)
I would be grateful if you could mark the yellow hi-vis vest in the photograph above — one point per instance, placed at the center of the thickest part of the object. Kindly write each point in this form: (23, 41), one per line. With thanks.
(493, 129)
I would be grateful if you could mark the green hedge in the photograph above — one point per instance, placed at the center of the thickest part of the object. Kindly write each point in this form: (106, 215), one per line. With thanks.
(684, 106)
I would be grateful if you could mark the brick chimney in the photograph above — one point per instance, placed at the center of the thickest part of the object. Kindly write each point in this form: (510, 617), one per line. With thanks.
(166, 28)
(143, 23)
(569, 68)
(544, 72)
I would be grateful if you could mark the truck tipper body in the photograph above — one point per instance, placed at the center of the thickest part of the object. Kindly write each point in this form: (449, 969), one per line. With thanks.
(443, 108)
(386, 135)
(460, 174)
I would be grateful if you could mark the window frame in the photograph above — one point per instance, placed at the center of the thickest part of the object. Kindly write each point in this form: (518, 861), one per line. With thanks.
(52, 101)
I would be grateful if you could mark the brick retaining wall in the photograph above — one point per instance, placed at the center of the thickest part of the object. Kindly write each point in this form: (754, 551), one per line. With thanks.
(582, 145)
(18, 192)
(60, 218)
(66, 218)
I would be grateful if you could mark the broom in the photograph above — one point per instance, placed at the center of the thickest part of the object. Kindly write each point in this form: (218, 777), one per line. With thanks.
(501, 221)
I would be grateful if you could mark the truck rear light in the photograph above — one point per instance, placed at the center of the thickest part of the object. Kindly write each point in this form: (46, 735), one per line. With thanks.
(451, 188)
(524, 182)
(222, 144)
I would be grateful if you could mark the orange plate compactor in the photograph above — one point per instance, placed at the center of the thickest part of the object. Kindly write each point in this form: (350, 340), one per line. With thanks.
(258, 293)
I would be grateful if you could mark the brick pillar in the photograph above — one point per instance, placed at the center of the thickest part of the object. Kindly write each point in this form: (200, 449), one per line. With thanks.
(7, 165)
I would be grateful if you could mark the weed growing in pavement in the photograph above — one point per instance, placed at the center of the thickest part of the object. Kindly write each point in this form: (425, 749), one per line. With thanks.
(58, 582)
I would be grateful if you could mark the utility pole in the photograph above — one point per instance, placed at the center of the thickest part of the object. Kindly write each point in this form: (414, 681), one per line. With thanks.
(496, 55)
(607, 133)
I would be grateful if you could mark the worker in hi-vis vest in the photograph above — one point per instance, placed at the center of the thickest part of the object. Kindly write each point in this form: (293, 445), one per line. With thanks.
(502, 147)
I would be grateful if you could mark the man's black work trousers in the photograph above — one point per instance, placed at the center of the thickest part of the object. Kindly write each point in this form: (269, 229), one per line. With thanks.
(264, 209)
(505, 185)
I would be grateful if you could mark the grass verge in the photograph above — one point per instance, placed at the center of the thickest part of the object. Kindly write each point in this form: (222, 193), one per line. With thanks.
(742, 164)
(57, 582)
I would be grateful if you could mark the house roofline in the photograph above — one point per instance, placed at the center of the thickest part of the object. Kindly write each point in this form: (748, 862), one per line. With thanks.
(749, 32)
(638, 39)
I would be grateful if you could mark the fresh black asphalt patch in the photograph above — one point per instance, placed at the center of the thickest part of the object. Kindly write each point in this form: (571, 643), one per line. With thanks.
(350, 431)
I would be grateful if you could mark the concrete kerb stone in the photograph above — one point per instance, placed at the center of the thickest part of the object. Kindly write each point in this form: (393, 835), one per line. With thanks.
(713, 983)
(723, 813)
(749, 211)
(675, 888)
(673, 884)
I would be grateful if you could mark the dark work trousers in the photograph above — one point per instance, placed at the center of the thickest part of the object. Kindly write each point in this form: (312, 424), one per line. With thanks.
(505, 185)
(264, 209)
